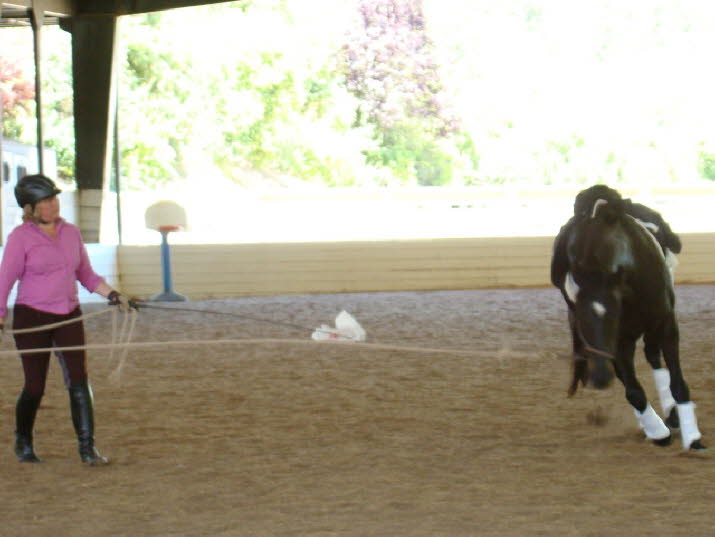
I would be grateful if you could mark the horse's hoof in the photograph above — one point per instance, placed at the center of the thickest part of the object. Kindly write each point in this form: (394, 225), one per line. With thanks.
(672, 421)
(662, 442)
(697, 445)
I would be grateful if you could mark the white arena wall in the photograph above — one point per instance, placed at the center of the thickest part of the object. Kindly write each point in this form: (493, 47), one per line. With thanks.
(335, 240)
(237, 270)
(267, 267)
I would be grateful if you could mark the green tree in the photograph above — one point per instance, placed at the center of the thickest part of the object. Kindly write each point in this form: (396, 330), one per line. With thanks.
(18, 89)
(58, 102)
(158, 106)
(706, 165)
(250, 107)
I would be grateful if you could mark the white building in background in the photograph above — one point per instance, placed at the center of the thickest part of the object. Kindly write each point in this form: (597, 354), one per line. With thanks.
(20, 159)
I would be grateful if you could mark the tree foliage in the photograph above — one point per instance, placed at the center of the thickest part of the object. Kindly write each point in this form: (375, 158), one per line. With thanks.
(18, 83)
(17, 92)
(706, 165)
(158, 107)
(389, 66)
(394, 92)
(251, 110)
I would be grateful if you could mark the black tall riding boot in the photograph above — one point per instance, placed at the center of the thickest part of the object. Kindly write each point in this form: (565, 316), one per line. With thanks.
(83, 421)
(25, 412)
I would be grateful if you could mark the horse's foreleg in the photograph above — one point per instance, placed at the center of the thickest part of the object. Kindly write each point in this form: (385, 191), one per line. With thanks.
(661, 377)
(575, 338)
(689, 432)
(579, 365)
(651, 349)
(648, 419)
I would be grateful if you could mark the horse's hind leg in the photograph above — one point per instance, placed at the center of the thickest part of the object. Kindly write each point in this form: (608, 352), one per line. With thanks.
(648, 419)
(661, 376)
(689, 431)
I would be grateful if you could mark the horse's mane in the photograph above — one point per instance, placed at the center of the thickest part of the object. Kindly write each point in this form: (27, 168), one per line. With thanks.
(594, 197)
(600, 201)
(590, 201)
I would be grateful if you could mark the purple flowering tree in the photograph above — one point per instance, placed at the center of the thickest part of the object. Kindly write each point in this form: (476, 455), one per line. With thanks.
(389, 66)
(17, 92)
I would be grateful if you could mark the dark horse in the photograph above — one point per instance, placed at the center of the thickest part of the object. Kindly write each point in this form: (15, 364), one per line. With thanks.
(610, 263)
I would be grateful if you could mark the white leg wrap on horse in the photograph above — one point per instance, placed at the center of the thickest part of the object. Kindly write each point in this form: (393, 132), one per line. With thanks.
(662, 384)
(688, 424)
(652, 425)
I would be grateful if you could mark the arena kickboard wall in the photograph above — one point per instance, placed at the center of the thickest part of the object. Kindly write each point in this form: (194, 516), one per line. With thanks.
(235, 270)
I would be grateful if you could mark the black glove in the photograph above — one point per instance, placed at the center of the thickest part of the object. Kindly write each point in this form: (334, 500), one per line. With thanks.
(117, 299)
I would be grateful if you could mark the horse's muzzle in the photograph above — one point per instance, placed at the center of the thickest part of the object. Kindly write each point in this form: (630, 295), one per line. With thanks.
(600, 372)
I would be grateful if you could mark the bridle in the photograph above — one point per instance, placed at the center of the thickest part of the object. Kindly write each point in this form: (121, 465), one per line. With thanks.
(590, 348)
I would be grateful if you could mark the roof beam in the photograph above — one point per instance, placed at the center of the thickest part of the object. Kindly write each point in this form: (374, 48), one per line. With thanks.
(56, 8)
(133, 7)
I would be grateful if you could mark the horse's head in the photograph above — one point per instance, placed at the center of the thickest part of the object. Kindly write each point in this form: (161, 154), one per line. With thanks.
(596, 318)
(599, 257)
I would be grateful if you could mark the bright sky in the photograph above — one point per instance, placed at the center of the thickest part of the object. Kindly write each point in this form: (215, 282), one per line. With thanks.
(617, 73)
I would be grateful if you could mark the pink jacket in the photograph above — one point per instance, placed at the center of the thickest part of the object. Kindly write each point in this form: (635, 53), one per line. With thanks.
(48, 269)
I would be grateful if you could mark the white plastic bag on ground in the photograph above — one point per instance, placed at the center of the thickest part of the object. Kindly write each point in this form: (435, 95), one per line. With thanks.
(346, 329)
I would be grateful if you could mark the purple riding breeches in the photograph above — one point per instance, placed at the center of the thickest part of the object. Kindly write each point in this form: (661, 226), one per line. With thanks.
(36, 365)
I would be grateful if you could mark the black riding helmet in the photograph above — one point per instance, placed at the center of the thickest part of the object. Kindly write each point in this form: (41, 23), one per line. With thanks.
(33, 188)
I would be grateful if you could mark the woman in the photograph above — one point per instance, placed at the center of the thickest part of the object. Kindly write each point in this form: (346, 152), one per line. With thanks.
(47, 256)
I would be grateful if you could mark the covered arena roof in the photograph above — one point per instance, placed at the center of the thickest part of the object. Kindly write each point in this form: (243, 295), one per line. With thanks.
(92, 25)
(19, 12)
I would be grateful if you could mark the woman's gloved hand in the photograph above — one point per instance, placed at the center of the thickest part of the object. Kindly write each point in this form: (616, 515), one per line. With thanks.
(117, 299)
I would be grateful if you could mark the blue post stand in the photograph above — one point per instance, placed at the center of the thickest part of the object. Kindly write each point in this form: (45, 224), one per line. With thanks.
(168, 295)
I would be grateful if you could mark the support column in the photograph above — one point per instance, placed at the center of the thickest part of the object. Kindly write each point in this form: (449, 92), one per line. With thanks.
(93, 70)
(37, 19)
